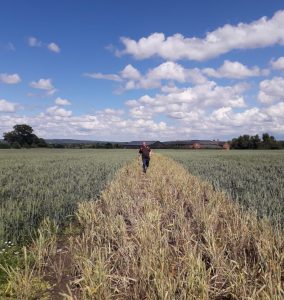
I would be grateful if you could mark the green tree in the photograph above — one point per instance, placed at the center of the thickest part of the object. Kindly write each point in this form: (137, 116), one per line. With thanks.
(255, 141)
(23, 136)
(269, 142)
(108, 146)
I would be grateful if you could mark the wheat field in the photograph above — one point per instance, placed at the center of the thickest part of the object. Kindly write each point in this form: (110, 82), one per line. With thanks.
(163, 235)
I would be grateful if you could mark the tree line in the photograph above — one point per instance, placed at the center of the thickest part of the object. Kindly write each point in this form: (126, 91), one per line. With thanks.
(255, 142)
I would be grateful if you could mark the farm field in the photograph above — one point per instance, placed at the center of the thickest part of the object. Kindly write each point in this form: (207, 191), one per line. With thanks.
(163, 235)
(254, 178)
(170, 234)
(35, 184)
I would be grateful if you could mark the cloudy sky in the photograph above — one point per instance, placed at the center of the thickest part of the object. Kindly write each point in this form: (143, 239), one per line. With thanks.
(131, 70)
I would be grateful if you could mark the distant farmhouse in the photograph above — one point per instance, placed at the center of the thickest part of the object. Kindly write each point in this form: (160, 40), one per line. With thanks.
(186, 144)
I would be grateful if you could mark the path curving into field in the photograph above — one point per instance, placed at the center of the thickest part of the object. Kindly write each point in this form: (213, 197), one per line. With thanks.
(167, 235)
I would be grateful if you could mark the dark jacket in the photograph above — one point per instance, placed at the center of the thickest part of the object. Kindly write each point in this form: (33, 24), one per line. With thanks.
(145, 152)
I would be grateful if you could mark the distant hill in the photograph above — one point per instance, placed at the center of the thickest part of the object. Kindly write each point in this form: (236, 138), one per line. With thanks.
(71, 141)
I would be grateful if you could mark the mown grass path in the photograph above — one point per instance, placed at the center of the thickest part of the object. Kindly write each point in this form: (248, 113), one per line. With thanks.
(167, 235)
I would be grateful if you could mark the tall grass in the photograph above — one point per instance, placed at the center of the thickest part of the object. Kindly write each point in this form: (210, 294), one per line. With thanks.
(35, 184)
(253, 178)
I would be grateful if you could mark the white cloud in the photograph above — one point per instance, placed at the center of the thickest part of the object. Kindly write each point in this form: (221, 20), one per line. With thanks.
(58, 111)
(278, 64)
(112, 112)
(187, 122)
(231, 69)
(226, 116)
(112, 77)
(129, 72)
(43, 84)
(276, 111)
(175, 72)
(6, 106)
(60, 101)
(209, 94)
(53, 47)
(10, 78)
(34, 42)
(188, 103)
(170, 71)
(271, 91)
(261, 33)
(169, 88)
(224, 121)
(190, 109)
(108, 124)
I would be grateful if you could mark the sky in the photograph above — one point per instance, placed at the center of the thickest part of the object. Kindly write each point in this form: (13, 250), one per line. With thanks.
(125, 70)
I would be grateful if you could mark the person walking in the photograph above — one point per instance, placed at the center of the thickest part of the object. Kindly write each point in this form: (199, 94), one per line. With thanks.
(145, 152)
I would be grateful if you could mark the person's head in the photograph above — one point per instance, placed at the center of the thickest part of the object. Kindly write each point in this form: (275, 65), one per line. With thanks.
(144, 143)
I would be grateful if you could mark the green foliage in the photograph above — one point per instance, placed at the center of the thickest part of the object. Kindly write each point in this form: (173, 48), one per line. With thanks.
(10, 256)
(40, 183)
(254, 179)
(23, 136)
(4, 146)
(254, 142)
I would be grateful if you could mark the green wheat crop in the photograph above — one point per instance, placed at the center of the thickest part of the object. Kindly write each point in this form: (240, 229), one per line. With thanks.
(254, 178)
(35, 184)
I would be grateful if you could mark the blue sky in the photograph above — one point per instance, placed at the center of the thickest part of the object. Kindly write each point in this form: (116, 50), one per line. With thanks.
(131, 70)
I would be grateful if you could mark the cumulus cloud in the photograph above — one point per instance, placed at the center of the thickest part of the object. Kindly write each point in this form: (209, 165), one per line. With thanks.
(187, 122)
(225, 121)
(271, 90)
(276, 111)
(112, 77)
(6, 106)
(174, 72)
(10, 78)
(169, 71)
(53, 47)
(129, 72)
(108, 124)
(60, 101)
(234, 69)
(260, 33)
(111, 112)
(44, 84)
(227, 116)
(58, 111)
(188, 103)
(278, 64)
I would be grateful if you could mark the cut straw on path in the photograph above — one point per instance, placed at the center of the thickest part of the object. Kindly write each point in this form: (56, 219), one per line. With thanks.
(167, 235)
